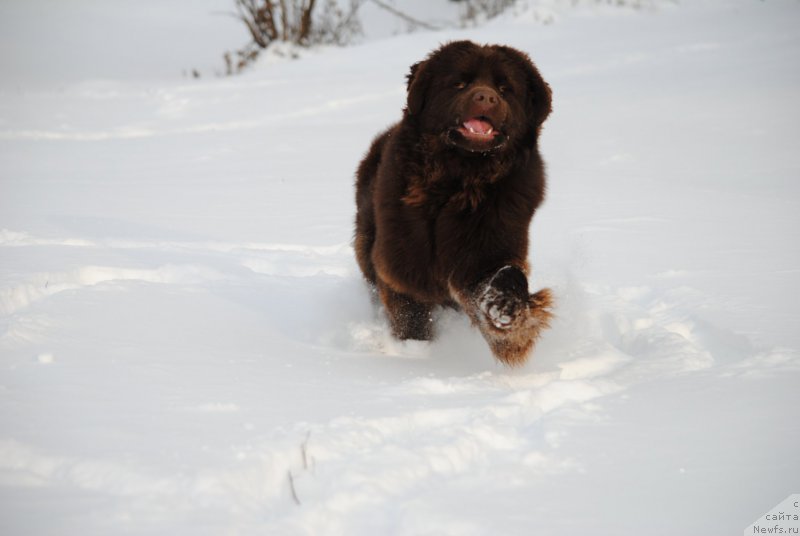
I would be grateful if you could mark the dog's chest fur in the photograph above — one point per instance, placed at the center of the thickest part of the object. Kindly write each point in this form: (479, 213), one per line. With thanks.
(450, 179)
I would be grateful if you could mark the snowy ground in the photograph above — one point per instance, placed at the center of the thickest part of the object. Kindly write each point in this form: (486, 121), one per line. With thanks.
(186, 346)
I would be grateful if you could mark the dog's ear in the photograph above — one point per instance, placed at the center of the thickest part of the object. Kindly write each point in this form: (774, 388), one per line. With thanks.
(540, 96)
(417, 82)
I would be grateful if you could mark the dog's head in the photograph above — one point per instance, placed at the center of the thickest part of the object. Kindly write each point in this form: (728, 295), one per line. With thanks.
(478, 98)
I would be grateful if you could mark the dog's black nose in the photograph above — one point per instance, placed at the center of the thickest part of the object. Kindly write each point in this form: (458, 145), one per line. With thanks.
(486, 97)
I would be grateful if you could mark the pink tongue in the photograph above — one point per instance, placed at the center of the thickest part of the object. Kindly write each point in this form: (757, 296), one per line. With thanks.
(482, 127)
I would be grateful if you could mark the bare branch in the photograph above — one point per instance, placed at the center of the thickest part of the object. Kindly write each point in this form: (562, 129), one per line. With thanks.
(305, 22)
(291, 487)
(304, 450)
(299, 22)
(403, 16)
(284, 20)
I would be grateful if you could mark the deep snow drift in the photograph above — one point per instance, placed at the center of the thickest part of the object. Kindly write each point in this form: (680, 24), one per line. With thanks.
(186, 345)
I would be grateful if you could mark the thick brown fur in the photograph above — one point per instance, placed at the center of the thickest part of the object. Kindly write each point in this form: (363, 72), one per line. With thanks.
(445, 198)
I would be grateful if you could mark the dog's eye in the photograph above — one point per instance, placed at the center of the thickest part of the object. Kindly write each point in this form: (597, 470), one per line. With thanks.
(461, 85)
(503, 89)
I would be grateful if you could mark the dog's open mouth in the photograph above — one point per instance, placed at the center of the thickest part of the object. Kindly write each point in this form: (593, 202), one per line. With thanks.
(477, 134)
(478, 129)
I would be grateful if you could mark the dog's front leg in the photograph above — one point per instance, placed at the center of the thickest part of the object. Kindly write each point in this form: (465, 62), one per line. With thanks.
(508, 316)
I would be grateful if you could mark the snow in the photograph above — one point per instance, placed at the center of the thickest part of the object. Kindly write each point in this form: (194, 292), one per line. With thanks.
(186, 345)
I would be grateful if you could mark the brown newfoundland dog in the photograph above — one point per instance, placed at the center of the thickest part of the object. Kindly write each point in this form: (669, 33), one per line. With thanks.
(445, 198)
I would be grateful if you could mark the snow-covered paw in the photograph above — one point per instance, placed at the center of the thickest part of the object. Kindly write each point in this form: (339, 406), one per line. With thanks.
(509, 318)
(504, 297)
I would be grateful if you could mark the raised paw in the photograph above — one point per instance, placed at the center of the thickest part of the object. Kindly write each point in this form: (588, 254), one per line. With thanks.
(504, 297)
(509, 318)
